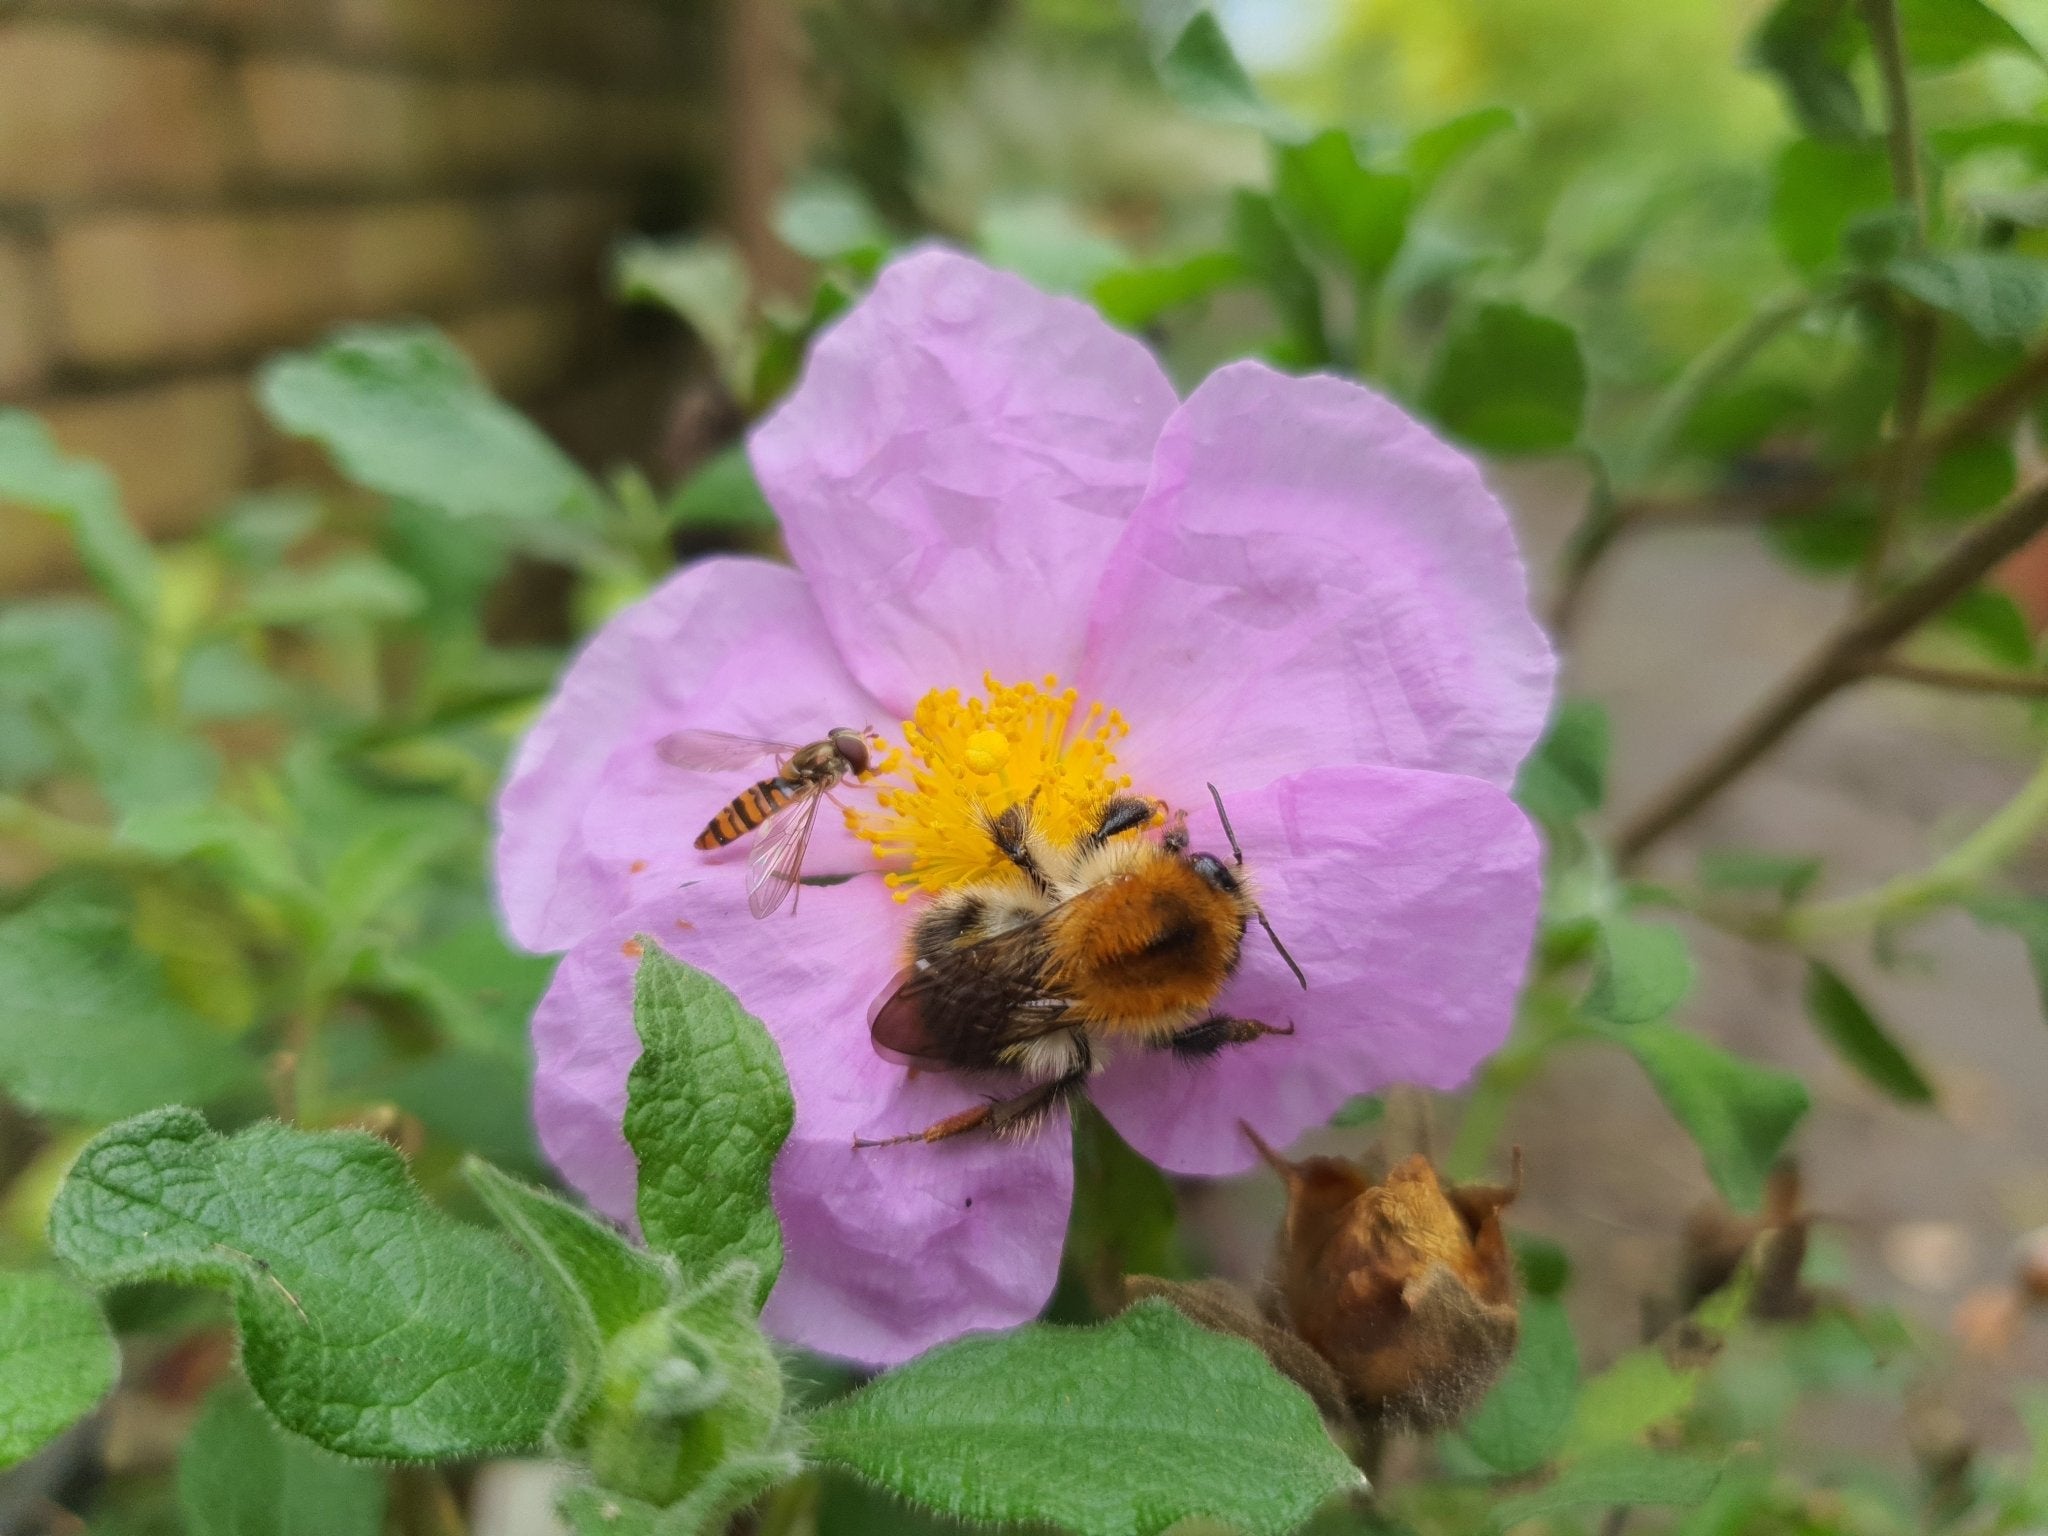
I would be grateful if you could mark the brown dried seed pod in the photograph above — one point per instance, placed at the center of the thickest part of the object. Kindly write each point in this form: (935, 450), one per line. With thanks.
(1404, 1285)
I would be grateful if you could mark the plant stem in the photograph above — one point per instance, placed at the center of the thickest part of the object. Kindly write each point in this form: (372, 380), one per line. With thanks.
(1606, 518)
(1966, 865)
(1840, 659)
(1900, 476)
(1881, 17)
(2019, 685)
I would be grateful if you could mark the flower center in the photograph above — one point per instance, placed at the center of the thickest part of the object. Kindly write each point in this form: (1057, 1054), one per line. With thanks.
(968, 760)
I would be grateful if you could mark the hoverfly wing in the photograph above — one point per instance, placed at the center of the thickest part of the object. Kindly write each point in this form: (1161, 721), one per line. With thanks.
(777, 862)
(717, 751)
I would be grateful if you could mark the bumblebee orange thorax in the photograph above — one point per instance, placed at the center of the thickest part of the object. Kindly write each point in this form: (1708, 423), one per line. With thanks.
(1153, 943)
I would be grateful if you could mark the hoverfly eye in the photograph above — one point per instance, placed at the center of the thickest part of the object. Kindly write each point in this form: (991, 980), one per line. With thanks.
(1215, 871)
(852, 746)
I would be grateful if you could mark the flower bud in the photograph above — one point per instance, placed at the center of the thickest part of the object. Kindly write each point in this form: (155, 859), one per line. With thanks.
(686, 1390)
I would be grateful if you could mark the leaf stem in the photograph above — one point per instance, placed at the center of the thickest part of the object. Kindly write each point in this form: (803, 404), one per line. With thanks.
(2003, 834)
(1841, 658)
(2021, 685)
(1904, 461)
(1881, 18)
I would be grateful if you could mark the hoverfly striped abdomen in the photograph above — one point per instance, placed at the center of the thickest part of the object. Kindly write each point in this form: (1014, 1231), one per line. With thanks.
(747, 810)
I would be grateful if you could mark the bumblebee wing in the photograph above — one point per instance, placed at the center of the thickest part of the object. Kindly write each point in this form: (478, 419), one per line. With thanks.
(964, 1007)
(717, 751)
(777, 862)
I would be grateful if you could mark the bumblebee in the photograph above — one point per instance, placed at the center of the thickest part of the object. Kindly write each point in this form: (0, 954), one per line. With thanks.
(1119, 940)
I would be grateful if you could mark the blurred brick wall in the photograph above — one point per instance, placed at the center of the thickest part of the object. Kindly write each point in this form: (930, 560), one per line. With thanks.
(186, 185)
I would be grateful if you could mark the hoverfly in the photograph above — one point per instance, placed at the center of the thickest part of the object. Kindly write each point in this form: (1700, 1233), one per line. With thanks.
(782, 807)
(1118, 939)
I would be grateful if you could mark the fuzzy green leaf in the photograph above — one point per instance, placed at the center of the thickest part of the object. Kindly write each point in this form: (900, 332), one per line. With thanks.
(56, 1359)
(722, 494)
(1119, 1430)
(1623, 1475)
(1438, 150)
(371, 1323)
(705, 1509)
(351, 586)
(1819, 186)
(1523, 1420)
(1810, 45)
(705, 282)
(1566, 776)
(1134, 297)
(89, 1026)
(240, 1475)
(1847, 1024)
(404, 413)
(1738, 1114)
(1639, 1391)
(1992, 622)
(601, 1283)
(1642, 971)
(1940, 34)
(1508, 380)
(1269, 253)
(34, 473)
(707, 1108)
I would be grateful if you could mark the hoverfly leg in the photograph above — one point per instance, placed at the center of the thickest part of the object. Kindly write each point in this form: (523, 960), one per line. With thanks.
(1200, 1041)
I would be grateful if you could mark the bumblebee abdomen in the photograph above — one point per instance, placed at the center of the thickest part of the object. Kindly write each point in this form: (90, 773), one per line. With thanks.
(1156, 944)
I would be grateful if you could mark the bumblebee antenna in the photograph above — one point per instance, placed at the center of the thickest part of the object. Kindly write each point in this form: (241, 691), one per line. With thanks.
(1259, 912)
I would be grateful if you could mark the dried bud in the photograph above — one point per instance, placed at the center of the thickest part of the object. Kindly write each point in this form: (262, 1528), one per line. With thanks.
(1403, 1285)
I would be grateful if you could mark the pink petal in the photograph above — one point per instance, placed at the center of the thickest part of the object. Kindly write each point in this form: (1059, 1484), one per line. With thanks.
(591, 820)
(1410, 901)
(889, 1250)
(1313, 578)
(953, 469)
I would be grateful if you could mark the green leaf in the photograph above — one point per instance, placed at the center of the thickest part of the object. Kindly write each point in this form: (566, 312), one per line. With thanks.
(1992, 622)
(350, 586)
(1624, 1475)
(1566, 776)
(1642, 971)
(1940, 34)
(1360, 1113)
(828, 218)
(1973, 476)
(705, 282)
(1118, 1430)
(707, 1108)
(1523, 1420)
(1847, 1024)
(56, 1360)
(1818, 186)
(404, 413)
(709, 1506)
(1786, 876)
(2026, 916)
(371, 1323)
(1809, 45)
(602, 1284)
(81, 495)
(1638, 1392)
(1508, 380)
(1436, 151)
(1201, 72)
(1042, 241)
(1737, 1113)
(1275, 262)
(1135, 297)
(2001, 295)
(89, 1027)
(1360, 215)
(723, 494)
(240, 1475)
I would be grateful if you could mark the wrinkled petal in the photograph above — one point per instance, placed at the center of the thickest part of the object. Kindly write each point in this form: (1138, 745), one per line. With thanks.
(591, 820)
(953, 469)
(1314, 578)
(1409, 899)
(888, 1250)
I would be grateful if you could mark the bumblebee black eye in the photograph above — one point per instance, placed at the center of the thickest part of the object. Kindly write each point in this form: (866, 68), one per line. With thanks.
(1215, 871)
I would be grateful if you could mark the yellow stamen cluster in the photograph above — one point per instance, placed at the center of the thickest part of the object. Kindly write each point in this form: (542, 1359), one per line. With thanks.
(968, 760)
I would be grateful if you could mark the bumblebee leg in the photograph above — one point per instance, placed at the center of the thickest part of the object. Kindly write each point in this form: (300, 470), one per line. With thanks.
(1009, 832)
(1198, 1042)
(1016, 1116)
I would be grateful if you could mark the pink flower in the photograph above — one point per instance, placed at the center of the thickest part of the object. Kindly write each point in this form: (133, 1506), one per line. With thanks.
(1283, 586)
